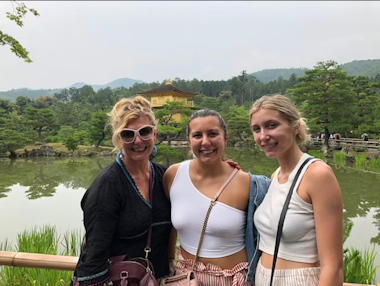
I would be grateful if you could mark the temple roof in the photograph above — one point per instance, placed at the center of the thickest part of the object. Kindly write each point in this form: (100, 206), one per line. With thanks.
(166, 88)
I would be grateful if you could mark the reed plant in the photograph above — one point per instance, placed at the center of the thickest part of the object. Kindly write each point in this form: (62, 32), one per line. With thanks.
(374, 162)
(360, 160)
(358, 267)
(339, 156)
(43, 240)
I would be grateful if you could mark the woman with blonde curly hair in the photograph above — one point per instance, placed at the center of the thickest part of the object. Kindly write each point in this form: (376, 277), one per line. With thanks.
(117, 209)
(310, 249)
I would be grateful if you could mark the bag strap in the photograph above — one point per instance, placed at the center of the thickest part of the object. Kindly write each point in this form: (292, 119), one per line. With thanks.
(212, 203)
(147, 249)
(282, 217)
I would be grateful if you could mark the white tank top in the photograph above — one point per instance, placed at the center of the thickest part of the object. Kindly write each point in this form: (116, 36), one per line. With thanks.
(298, 241)
(225, 231)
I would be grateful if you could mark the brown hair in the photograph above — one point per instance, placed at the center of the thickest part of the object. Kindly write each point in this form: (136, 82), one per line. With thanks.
(288, 111)
(126, 110)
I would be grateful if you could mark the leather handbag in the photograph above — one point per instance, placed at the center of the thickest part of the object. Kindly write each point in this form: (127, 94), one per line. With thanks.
(137, 271)
(282, 217)
(188, 278)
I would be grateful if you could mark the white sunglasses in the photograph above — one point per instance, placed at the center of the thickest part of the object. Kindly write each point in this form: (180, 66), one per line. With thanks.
(128, 135)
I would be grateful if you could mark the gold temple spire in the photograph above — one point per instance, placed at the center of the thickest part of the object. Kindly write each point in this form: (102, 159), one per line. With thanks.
(168, 81)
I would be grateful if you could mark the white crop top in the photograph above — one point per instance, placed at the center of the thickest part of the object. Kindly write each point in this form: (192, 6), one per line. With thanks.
(225, 231)
(298, 241)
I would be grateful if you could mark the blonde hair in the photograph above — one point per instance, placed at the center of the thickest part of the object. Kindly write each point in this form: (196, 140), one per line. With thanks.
(288, 112)
(126, 110)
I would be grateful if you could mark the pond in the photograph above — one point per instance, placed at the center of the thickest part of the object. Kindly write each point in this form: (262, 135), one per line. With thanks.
(36, 192)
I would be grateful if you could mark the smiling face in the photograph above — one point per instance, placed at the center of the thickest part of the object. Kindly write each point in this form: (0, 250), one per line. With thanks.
(272, 133)
(138, 150)
(207, 138)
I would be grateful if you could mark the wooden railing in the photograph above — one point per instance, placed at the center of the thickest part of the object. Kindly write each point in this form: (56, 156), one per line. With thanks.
(46, 261)
(370, 144)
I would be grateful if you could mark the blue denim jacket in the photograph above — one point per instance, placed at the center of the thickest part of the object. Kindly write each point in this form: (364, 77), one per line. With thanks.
(258, 189)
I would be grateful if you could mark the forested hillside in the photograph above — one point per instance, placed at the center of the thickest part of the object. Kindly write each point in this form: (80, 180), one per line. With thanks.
(273, 74)
(265, 82)
(30, 93)
(369, 68)
(35, 93)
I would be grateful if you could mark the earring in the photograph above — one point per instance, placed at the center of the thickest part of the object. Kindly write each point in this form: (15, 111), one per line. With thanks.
(154, 150)
(121, 155)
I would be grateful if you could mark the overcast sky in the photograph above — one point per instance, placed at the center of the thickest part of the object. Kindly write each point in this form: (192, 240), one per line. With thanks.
(97, 42)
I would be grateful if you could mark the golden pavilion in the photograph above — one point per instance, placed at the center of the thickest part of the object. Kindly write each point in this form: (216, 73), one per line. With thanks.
(168, 92)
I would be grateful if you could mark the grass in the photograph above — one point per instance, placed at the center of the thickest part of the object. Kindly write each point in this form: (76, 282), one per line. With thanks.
(42, 240)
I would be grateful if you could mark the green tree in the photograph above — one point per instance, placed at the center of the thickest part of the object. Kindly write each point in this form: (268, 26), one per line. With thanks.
(225, 101)
(22, 102)
(239, 87)
(11, 140)
(40, 120)
(203, 101)
(168, 128)
(326, 98)
(98, 129)
(17, 15)
(237, 123)
(71, 143)
(367, 103)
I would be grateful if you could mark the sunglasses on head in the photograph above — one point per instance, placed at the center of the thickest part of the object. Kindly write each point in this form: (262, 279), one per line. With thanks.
(128, 135)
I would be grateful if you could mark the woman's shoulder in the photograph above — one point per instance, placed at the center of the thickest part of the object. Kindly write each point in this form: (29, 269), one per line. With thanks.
(243, 176)
(108, 174)
(318, 169)
(171, 171)
(319, 179)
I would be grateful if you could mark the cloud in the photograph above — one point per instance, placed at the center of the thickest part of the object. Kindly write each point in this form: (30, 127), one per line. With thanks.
(97, 42)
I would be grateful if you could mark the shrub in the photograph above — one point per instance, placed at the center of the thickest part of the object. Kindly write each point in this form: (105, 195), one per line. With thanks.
(359, 149)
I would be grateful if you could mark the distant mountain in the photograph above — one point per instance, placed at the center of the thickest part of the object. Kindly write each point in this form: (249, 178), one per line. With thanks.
(273, 74)
(11, 95)
(365, 67)
(126, 82)
(361, 67)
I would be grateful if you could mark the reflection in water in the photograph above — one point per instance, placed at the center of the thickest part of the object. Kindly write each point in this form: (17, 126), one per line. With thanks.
(48, 190)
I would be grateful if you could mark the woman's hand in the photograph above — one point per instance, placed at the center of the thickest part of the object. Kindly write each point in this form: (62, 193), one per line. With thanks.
(172, 264)
(233, 164)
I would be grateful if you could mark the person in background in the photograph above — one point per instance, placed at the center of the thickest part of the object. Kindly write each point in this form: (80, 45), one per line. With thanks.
(310, 251)
(117, 209)
(365, 136)
(191, 185)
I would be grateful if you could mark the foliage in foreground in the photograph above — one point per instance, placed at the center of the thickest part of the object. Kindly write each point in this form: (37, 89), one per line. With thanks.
(42, 240)
(358, 267)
